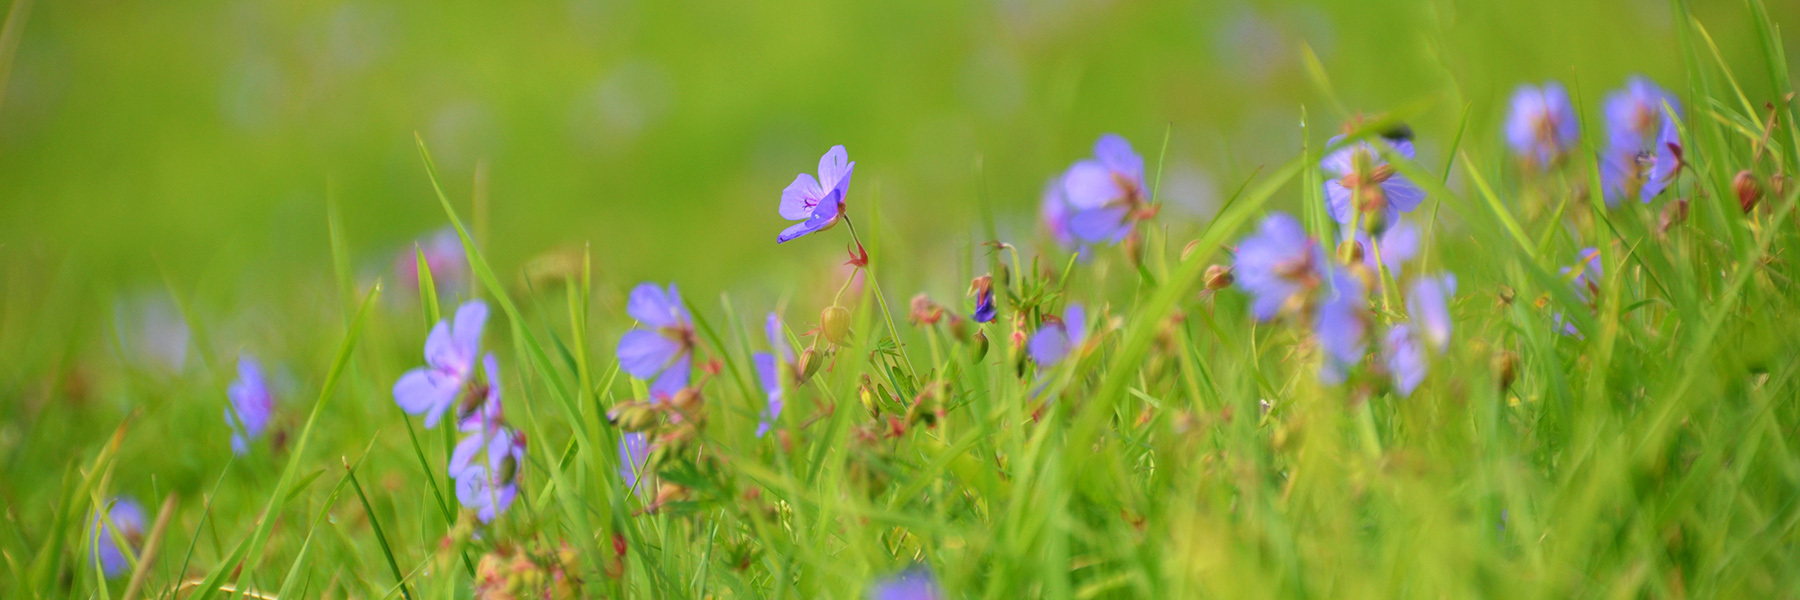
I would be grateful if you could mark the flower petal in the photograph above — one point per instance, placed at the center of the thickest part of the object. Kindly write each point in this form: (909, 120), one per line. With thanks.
(1337, 202)
(1116, 153)
(798, 199)
(650, 305)
(471, 317)
(643, 354)
(1100, 225)
(1049, 345)
(423, 391)
(1089, 184)
(834, 168)
(673, 379)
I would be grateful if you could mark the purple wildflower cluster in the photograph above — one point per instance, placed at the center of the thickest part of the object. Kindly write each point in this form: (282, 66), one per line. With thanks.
(485, 463)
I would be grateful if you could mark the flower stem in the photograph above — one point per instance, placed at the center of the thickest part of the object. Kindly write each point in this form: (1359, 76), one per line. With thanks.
(881, 299)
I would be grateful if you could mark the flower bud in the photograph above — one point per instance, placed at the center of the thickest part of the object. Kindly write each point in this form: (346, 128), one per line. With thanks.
(1749, 191)
(809, 364)
(632, 416)
(1219, 277)
(835, 322)
(979, 349)
(1350, 252)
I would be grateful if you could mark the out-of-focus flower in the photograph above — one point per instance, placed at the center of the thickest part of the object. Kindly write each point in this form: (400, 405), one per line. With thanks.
(1747, 189)
(1053, 213)
(1405, 360)
(1643, 149)
(983, 290)
(1584, 276)
(1342, 326)
(1363, 183)
(480, 407)
(152, 332)
(1399, 244)
(1105, 194)
(498, 443)
(1276, 264)
(450, 352)
(488, 490)
(817, 203)
(634, 460)
(443, 252)
(768, 371)
(916, 583)
(924, 311)
(128, 516)
(1058, 337)
(661, 352)
(1542, 127)
(251, 404)
(1428, 301)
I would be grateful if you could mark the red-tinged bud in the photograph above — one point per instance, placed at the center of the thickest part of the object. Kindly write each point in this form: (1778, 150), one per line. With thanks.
(835, 322)
(1749, 191)
(1219, 277)
(925, 312)
(1350, 252)
(859, 257)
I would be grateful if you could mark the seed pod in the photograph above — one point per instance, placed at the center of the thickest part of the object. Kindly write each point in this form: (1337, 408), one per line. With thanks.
(1219, 277)
(809, 364)
(979, 349)
(835, 322)
(1350, 252)
(1749, 191)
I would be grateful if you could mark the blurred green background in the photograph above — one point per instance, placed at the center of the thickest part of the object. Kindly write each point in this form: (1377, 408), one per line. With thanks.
(202, 135)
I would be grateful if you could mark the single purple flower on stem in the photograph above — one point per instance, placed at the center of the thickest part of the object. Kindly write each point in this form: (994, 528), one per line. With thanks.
(768, 371)
(1058, 337)
(450, 353)
(1428, 300)
(1342, 325)
(634, 457)
(1277, 264)
(817, 203)
(1399, 244)
(916, 583)
(1363, 183)
(662, 352)
(251, 404)
(1105, 194)
(128, 516)
(983, 290)
(1405, 360)
(1542, 127)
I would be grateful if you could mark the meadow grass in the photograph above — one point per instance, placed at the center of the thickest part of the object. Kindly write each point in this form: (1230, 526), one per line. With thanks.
(1187, 450)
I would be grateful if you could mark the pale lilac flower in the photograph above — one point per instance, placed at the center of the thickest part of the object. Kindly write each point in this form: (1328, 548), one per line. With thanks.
(1627, 172)
(490, 489)
(1428, 302)
(444, 254)
(1636, 117)
(127, 515)
(1542, 127)
(634, 458)
(661, 352)
(1279, 262)
(1643, 143)
(916, 583)
(450, 352)
(817, 203)
(1105, 193)
(1342, 325)
(1058, 337)
(251, 404)
(1405, 360)
(768, 371)
(1399, 244)
(1362, 182)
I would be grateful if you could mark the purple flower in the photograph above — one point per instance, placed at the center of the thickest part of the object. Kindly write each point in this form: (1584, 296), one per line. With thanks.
(1363, 183)
(443, 254)
(634, 456)
(497, 442)
(489, 487)
(1542, 127)
(251, 404)
(1404, 359)
(1635, 116)
(1342, 325)
(817, 203)
(1399, 244)
(662, 352)
(1106, 192)
(1643, 145)
(1058, 337)
(1277, 263)
(983, 289)
(450, 353)
(127, 515)
(1626, 172)
(768, 371)
(1428, 301)
(915, 583)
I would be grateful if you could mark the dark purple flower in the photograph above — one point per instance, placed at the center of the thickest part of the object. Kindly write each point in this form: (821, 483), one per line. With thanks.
(1279, 262)
(251, 404)
(128, 516)
(768, 371)
(1342, 325)
(1058, 337)
(1399, 244)
(1105, 193)
(450, 353)
(1542, 127)
(634, 457)
(1428, 301)
(1362, 182)
(915, 583)
(817, 203)
(662, 352)
(983, 289)
(1405, 360)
